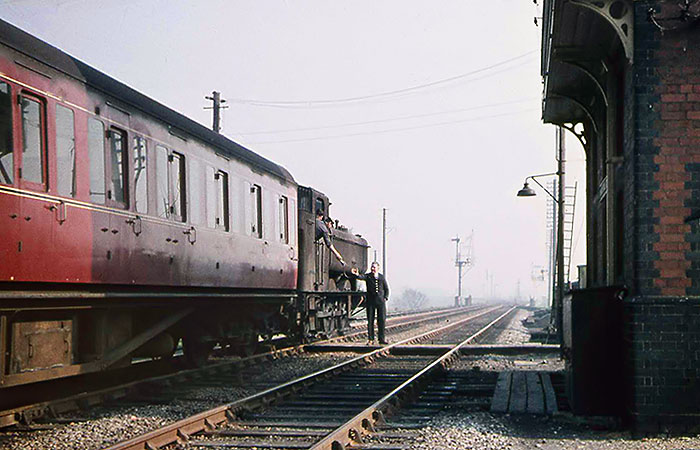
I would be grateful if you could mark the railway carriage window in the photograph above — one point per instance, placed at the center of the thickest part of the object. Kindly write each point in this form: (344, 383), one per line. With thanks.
(305, 200)
(117, 163)
(284, 219)
(256, 221)
(177, 176)
(221, 182)
(170, 179)
(96, 150)
(140, 175)
(293, 223)
(65, 151)
(320, 205)
(32, 140)
(162, 181)
(6, 155)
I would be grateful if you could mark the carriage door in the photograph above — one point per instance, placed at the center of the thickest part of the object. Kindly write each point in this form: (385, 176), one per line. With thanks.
(9, 203)
(37, 216)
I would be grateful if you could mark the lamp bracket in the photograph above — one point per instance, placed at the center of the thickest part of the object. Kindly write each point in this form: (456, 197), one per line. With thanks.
(580, 135)
(534, 178)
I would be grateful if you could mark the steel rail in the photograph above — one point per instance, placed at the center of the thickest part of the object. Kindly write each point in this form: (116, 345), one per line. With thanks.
(425, 312)
(181, 430)
(404, 321)
(352, 431)
(15, 415)
(19, 414)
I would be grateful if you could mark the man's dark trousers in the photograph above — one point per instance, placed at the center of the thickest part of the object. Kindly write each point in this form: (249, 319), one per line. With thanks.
(377, 294)
(378, 307)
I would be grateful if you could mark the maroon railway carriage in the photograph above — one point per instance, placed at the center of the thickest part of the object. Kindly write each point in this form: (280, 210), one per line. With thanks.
(127, 227)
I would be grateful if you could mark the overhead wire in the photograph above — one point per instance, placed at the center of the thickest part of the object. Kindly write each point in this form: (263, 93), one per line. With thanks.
(389, 95)
(392, 130)
(396, 92)
(392, 97)
(392, 119)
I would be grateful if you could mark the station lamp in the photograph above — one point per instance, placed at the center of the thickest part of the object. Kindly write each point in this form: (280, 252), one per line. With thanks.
(527, 191)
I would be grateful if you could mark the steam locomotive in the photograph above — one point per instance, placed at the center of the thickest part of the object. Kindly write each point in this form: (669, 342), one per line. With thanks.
(127, 228)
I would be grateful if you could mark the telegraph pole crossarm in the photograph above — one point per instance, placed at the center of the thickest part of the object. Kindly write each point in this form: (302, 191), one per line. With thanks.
(217, 106)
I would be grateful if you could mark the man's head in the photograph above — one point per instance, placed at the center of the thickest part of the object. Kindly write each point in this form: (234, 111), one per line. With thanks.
(329, 222)
(374, 268)
(319, 213)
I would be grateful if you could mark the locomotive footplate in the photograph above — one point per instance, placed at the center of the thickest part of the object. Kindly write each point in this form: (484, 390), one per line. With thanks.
(326, 314)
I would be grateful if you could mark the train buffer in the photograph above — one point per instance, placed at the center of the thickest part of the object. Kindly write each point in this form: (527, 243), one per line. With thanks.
(524, 392)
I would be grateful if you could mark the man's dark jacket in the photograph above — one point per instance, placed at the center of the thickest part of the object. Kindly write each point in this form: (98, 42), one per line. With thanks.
(377, 288)
(322, 231)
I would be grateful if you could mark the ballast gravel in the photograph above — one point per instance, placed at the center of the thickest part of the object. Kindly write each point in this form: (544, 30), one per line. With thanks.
(101, 427)
(453, 429)
(450, 429)
(486, 431)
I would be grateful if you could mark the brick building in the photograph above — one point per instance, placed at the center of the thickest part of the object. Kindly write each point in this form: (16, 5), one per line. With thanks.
(624, 76)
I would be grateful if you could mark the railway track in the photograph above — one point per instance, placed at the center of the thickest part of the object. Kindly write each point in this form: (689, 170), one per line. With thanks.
(414, 316)
(52, 400)
(355, 398)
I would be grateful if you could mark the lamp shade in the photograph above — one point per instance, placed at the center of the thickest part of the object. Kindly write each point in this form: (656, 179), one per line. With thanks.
(526, 191)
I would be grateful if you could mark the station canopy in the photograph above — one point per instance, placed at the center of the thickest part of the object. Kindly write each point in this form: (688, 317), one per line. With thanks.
(582, 41)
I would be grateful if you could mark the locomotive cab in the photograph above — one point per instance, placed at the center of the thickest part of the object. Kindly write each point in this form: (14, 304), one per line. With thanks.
(326, 293)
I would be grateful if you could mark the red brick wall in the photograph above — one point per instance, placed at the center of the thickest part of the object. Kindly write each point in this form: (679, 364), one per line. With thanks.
(678, 144)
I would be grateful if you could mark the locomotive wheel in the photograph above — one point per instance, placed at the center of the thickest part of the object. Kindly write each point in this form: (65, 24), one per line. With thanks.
(306, 335)
(196, 350)
(329, 325)
(344, 321)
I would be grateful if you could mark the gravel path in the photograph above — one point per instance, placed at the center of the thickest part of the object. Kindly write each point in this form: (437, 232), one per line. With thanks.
(485, 431)
(454, 429)
(514, 332)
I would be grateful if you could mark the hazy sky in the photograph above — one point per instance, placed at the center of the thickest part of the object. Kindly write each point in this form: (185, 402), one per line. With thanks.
(429, 109)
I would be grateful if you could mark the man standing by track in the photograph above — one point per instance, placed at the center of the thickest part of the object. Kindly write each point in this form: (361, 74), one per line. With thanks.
(377, 296)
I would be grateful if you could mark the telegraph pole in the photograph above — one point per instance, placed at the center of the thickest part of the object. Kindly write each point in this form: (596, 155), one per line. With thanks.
(552, 267)
(384, 240)
(217, 107)
(460, 263)
(561, 153)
